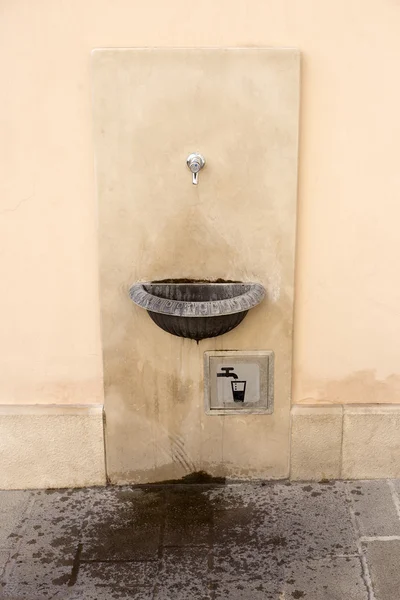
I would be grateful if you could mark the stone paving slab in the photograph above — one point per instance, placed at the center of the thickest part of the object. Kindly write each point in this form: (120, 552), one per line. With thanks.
(384, 563)
(125, 525)
(183, 574)
(268, 541)
(374, 508)
(94, 581)
(245, 561)
(326, 579)
(55, 525)
(246, 590)
(246, 570)
(188, 518)
(125, 581)
(253, 496)
(13, 505)
(35, 578)
(313, 520)
(124, 542)
(234, 525)
(14, 500)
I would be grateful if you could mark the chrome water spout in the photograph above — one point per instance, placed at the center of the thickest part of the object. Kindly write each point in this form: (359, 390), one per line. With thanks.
(195, 163)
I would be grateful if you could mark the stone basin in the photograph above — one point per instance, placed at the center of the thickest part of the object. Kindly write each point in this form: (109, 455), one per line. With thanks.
(197, 309)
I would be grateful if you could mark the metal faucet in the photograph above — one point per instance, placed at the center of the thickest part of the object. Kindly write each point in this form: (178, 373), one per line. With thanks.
(227, 372)
(195, 163)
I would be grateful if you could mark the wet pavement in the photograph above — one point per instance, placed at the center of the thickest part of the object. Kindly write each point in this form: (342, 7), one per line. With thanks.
(281, 541)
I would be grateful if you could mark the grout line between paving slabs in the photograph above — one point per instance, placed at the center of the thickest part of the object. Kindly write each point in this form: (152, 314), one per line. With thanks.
(210, 557)
(379, 538)
(160, 551)
(364, 565)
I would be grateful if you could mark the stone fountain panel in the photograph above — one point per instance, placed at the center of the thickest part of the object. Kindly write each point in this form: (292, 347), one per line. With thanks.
(152, 108)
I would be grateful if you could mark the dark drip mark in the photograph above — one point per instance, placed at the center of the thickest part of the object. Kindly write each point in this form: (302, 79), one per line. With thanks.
(75, 566)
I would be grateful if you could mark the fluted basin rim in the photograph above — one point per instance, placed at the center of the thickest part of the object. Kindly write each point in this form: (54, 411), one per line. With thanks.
(254, 294)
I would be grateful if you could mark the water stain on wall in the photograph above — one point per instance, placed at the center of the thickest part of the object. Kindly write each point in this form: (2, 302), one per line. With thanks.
(361, 387)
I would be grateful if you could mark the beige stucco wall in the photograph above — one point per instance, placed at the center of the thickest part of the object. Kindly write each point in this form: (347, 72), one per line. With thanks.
(347, 320)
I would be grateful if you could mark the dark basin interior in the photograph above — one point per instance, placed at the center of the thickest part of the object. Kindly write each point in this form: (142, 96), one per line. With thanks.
(197, 292)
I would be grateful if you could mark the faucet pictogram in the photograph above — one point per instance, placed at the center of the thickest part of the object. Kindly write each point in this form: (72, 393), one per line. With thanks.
(227, 373)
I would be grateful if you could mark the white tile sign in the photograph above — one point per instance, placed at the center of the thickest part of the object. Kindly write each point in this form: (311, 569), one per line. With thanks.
(239, 382)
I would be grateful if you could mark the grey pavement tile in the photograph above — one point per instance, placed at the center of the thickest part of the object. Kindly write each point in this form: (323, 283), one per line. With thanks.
(122, 541)
(257, 496)
(109, 499)
(243, 513)
(30, 579)
(325, 579)
(55, 526)
(245, 590)
(188, 517)
(183, 574)
(93, 581)
(245, 571)
(383, 560)
(125, 525)
(13, 505)
(33, 596)
(130, 580)
(235, 525)
(14, 500)
(71, 504)
(109, 593)
(311, 520)
(374, 508)
(225, 497)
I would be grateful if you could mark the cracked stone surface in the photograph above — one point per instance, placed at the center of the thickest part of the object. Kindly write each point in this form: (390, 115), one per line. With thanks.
(261, 541)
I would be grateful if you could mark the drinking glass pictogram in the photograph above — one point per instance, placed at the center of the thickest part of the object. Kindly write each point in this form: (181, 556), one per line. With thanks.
(238, 390)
